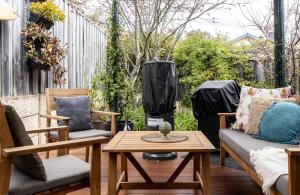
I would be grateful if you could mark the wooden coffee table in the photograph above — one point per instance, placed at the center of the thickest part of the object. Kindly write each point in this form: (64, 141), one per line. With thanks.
(130, 141)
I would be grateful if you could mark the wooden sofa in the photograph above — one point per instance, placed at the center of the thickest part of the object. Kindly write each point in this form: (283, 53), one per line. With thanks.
(238, 145)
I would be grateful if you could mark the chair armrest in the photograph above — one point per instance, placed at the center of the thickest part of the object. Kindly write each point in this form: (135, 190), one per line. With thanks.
(293, 170)
(223, 118)
(113, 119)
(9, 152)
(105, 113)
(293, 151)
(48, 129)
(55, 117)
(227, 114)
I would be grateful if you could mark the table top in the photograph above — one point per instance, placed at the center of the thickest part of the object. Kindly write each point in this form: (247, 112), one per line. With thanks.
(130, 141)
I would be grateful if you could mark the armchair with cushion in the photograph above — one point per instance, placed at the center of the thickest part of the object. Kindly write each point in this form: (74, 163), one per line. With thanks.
(238, 145)
(65, 98)
(23, 172)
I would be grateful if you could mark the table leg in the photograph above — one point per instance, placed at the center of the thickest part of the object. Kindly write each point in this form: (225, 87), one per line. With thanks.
(112, 173)
(196, 165)
(124, 166)
(206, 174)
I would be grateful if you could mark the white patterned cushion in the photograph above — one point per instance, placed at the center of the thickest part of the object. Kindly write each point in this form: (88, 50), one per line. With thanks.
(258, 106)
(246, 95)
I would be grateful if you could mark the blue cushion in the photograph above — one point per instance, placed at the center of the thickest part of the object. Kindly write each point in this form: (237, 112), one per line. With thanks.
(281, 124)
(78, 109)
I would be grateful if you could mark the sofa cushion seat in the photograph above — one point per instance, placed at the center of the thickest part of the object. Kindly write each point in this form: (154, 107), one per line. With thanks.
(83, 134)
(242, 143)
(60, 171)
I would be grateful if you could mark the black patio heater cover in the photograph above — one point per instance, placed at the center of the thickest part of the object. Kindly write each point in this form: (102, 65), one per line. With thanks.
(159, 96)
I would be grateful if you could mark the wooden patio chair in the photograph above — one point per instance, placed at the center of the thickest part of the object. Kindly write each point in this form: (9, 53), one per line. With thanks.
(64, 173)
(50, 107)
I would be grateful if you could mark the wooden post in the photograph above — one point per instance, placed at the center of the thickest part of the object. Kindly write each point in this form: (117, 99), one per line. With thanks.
(294, 175)
(112, 173)
(95, 174)
(206, 174)
(5, 167)
(222, 154)
(124, 166)
(196, 165)
(113, 125)
(63, 136)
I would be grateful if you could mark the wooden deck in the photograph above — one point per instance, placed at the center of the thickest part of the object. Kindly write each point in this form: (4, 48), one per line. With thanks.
(224, 180)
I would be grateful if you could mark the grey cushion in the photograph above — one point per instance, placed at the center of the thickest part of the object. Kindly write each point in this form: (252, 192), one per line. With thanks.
(78, 109)
(29, 164)
(60, 171)
(242, 143)
(84, 134)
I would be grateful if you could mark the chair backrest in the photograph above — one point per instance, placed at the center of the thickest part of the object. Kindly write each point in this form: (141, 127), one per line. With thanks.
(6, 140)
(51, 93)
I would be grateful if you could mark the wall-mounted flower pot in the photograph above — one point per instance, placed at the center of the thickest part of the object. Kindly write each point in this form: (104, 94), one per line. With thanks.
(33, 64)
(40, 20)
(36, 65)
(37, 1)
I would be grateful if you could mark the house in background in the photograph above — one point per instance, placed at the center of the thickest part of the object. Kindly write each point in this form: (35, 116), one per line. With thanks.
(258, 66)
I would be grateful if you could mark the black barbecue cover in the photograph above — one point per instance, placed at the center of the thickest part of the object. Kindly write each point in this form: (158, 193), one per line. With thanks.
(213, 97)
(159, 87)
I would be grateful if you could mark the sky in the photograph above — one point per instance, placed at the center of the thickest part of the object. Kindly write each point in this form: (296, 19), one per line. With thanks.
(233, 22)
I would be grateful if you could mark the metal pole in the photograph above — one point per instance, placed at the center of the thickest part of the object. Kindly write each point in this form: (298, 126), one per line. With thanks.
(279, 51)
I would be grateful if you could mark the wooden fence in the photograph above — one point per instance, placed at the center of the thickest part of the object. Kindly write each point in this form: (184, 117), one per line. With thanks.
(86, 43)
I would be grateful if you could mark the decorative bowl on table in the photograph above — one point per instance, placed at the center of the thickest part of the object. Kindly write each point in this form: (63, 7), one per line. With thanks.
(165, 135)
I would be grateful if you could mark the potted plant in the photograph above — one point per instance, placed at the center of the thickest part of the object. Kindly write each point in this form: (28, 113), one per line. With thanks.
(45, 13)
(44, 51)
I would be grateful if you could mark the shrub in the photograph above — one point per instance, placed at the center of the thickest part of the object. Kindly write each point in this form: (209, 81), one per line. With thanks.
(200, 57)
(47, 10)
(137, 117)
(185, 121)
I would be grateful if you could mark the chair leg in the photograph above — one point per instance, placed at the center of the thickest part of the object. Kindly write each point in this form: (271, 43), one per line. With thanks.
(222, 155)
(87, 154)
(47, 154)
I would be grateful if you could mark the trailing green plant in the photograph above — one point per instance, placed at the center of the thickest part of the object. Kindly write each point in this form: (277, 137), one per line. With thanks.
(48, 53)
(48, 10)
(185, 121)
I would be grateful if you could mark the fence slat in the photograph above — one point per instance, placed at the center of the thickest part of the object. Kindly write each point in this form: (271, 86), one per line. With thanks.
(86, 50)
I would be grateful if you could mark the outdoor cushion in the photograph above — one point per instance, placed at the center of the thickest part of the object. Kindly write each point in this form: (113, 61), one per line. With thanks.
(242, 143)
(281, 124)
(84, 134)
(246, 95)
(258, 106)
(282, 185)
(78, 109)
(60, 171)
(29, 164)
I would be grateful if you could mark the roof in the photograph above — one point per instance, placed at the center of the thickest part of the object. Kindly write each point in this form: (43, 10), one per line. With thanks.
(244, 36)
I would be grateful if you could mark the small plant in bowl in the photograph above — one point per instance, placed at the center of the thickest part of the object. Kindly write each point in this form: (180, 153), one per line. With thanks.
(45, 13)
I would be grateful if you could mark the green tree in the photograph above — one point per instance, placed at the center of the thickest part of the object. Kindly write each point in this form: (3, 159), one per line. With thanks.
(200, 57)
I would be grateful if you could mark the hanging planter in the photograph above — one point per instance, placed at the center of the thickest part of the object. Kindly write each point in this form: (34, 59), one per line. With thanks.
(32, 65)
(37, 1)
(40, 20)
(44, 51)
(45, 13)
